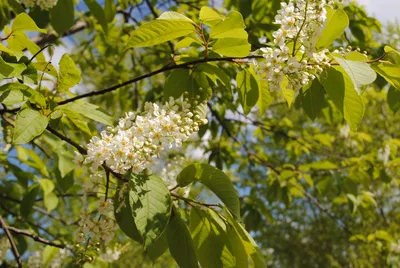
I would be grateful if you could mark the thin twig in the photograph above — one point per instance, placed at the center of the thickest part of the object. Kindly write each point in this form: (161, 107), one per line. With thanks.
(12, 242)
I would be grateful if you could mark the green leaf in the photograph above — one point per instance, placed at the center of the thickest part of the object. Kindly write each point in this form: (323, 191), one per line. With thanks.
(265, 98)
(393, 99)
(318, 166)
(248, 90)
(49, 253)
(340, 89)
(10, 70)
(250, 245)
(88, 110)
(174, 16)
(312, 99)
(212, 244)
(24, 23)
(232, 26)
(159, 31)
(238, 247)
(176, 84)
(232, 47)
(28, 201)
(180, 243)
(209, 17)
(98, 13)
(47, 186)
(110, 10)
(28, 125)
(15, 93)
(337, 21)
(62, 16)
(151, 206)
(390, 72)
(50, 201)
(215, 73)
(360, 72)
(216, 180)
(185, 42)
(46, 67)
(65, 160)
(158, 247)
(289, 95)
(123, 216)
(69, 73)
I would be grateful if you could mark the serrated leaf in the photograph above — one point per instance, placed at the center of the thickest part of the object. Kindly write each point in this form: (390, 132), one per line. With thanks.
(209, 16)
(176, 84)
(24, 23)
(248, 90)
(216, 180)
(232, 26)
(336, 22)
(359, 72)
(28, 125)
(393, 99)
(151, 204)
(62, 16)
(174, 16)
(213, 247)
(312, 99)
(232, 47)
(69, 75)
(88, 110)
(159, 31)
(341, 90)
(180, 243)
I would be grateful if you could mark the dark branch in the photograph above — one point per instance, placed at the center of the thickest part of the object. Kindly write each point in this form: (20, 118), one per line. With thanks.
(36, 238)
(12, 242)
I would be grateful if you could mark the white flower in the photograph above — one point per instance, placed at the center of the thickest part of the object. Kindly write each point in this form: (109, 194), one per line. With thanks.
(139, 139)
(384, 154)
(43, 4)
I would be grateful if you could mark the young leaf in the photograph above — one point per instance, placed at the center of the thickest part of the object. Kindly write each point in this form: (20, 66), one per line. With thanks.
(212, 244)
(28, 125)
(47, 186)
(216, 180)
(248, 90)
(174, 16)
(10, 70)
(50, 201)
(180, 243)
(88, 110)
(265, 98)
(209, 17)
(232, 47)
(360, 72)
(176, 84)
(390, 72)
(312, 99)
(69, 73)
(24, 23)
(29, 200)
(337, 21)
(341, 90)
(62, 16)
(159, 31)
(232, 26)
(151, 206)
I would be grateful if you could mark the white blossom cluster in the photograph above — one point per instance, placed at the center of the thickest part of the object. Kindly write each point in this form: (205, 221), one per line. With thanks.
(140, 138)
(384, 154)
(35, 260)
(100, 227)
(294, 54)
(43, 4)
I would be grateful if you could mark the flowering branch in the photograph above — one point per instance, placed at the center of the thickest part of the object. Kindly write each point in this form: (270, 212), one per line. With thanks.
(12, 242)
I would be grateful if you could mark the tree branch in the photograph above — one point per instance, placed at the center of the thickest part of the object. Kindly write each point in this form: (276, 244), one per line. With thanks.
(12, 242)
(36, 238)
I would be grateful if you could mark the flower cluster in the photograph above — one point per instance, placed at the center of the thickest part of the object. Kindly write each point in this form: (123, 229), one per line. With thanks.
(294, 55)
(98, 229)
(43, 4)
(140, 138)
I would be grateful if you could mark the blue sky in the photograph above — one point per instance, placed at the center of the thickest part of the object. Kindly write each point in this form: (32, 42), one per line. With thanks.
(384, 10)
